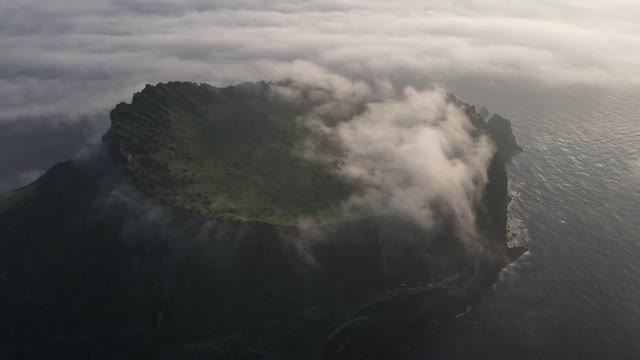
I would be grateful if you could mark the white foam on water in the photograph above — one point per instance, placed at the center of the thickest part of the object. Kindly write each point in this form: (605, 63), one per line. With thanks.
(517, 232)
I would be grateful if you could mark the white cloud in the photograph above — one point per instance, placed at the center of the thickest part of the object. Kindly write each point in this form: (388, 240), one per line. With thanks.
(65, 59)
(84, 56)
(413, 154)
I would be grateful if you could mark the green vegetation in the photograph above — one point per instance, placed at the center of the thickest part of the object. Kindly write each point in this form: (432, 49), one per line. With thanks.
(225, 152)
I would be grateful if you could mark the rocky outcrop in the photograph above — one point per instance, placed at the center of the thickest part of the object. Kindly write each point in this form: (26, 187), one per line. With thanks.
(500, 129)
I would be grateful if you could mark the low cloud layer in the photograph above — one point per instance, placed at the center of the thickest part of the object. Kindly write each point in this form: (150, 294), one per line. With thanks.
(68, 59)
(82, 56)
(413, 154)
(416, 155)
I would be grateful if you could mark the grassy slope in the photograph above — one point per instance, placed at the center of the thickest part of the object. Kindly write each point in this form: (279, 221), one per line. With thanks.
(224, 152)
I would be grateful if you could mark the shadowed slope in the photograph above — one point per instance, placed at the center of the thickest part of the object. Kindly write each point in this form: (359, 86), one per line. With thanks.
(92, 267)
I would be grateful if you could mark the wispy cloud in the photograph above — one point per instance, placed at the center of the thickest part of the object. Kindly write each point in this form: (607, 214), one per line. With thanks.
(61, 60)
(81, 56)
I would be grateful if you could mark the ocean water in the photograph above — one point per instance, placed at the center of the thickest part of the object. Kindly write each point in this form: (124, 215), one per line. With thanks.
(576, 189)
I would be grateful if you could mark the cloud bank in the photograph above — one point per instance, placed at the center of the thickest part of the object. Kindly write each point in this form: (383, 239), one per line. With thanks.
(83, 56)
(63, 60)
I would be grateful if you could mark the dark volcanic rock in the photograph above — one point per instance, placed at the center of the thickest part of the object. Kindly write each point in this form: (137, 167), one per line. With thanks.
(500, 129)
(92, 267)
(516, 251)
(383, 328)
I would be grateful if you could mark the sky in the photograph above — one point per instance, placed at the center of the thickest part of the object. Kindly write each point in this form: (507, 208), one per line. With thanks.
(64, 64)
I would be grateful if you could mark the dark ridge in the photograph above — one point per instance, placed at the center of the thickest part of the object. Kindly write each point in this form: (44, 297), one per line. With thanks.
(503, 136)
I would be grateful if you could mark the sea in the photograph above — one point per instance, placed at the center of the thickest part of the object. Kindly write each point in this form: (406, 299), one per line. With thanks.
(576, 204)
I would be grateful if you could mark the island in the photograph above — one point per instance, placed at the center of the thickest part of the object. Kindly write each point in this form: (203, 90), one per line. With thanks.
(196, 230)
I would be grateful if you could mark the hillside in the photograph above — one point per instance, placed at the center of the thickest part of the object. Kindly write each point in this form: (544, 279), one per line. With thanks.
(134, 251)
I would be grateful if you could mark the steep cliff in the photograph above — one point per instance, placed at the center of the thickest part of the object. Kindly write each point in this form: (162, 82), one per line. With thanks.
(503, 136)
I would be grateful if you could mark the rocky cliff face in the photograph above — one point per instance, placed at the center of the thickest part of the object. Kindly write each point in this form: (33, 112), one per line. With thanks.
(90, 266)
(503, 136)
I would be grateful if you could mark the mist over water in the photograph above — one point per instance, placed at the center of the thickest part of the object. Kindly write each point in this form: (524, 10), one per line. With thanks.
(577, 203)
